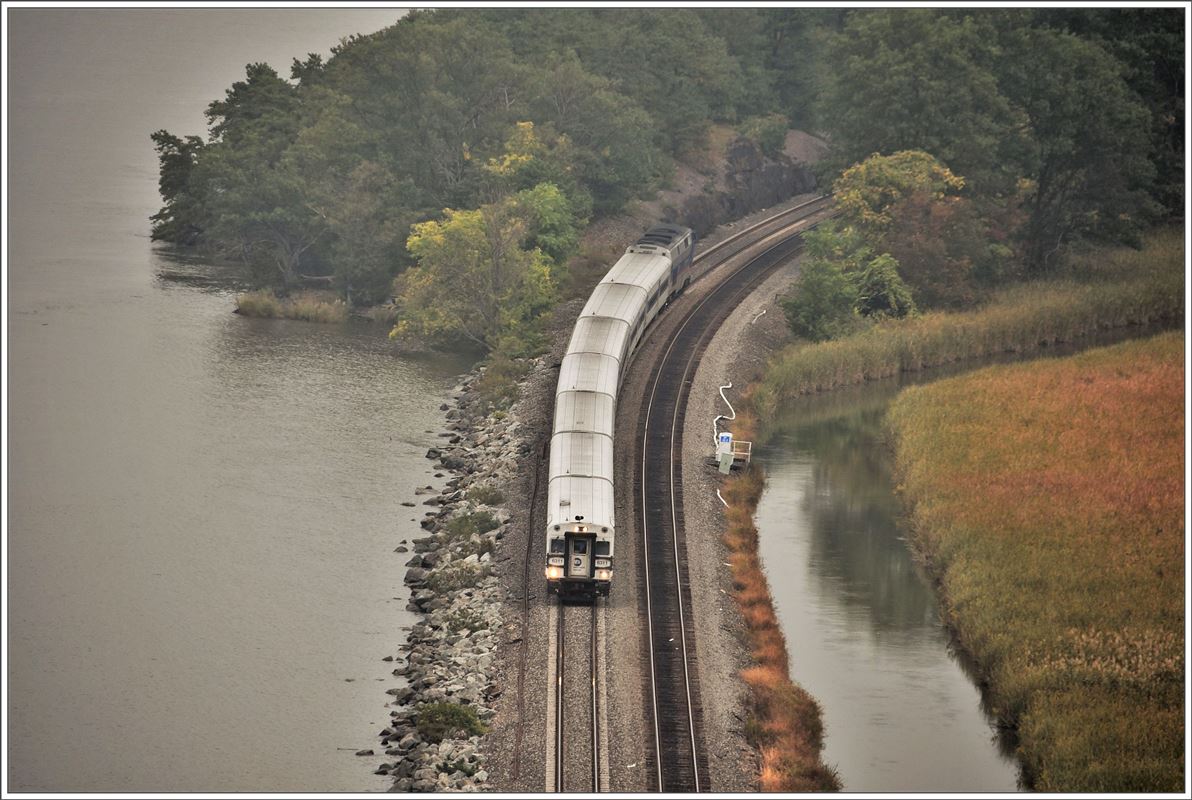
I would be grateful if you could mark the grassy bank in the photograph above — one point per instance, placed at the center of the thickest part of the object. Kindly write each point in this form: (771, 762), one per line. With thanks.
(1109, 289)
(784, 723)
(311, 306)
(1048, 500)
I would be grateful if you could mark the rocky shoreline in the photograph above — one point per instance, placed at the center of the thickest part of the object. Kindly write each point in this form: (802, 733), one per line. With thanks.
(447, 659)
(458, 657)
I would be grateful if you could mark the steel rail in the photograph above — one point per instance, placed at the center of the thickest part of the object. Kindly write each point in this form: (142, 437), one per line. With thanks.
(560, 660)
(716, 293)
(593, 660)
(525, 624)
(559, 755)
(760, 224)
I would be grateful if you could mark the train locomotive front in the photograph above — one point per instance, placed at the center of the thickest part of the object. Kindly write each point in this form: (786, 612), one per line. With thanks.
(580, 531)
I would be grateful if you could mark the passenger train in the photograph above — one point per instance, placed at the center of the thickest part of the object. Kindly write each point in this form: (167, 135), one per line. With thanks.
(580, 526)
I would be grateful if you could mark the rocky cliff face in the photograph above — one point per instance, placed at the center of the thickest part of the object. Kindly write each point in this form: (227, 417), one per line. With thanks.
(725, 183)
(749, 182)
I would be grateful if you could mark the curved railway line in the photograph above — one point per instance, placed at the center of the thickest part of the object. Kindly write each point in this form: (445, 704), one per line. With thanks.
(675, 754)
(679, 760)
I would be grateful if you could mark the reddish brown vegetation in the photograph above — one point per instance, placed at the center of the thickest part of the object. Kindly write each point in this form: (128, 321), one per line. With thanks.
(785, 721)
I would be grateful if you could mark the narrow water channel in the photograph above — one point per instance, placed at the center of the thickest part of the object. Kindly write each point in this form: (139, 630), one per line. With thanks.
(901, 710)
(860, 620)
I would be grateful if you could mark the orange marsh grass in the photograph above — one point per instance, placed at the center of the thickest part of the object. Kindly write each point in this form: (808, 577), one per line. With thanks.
(784, 722)
(1048, 500)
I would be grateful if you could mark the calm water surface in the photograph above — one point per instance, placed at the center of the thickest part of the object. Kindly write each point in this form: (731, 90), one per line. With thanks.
(861, 622)
(201, 508)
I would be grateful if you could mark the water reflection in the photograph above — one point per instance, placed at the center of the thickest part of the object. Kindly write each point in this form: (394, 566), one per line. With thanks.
(901, 712)
(177, 266)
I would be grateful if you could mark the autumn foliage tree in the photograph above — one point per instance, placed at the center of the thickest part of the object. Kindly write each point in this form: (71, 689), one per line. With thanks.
(475, 278)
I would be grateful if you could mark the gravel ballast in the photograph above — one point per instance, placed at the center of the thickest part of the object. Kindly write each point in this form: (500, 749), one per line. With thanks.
(469, 587)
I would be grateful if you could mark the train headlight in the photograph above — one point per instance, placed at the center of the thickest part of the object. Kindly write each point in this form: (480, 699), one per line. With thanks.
(554, 573)
(604, 574)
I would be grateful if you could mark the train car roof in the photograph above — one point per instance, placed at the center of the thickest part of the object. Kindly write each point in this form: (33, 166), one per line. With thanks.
(607, 335)
(664, 234)
(585, 412)
(638, 269)
(584, 455)
(589, 372)
(620, 300)
(590, 498)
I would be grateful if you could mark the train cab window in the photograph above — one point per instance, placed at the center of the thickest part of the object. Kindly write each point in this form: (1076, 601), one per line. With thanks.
(557, 546)
(581, 547)
(602, 548)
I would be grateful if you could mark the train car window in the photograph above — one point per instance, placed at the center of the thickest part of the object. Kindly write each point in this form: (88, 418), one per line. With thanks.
(602, 548)
(581, 547)
(557, 545)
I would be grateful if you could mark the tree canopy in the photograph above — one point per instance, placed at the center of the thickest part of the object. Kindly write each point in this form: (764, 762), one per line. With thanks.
(1066, 125)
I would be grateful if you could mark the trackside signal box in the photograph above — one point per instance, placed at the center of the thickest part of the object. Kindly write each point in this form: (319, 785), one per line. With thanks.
(724, 451)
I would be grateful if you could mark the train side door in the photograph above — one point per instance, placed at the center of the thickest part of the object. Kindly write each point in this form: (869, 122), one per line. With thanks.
(579, 556)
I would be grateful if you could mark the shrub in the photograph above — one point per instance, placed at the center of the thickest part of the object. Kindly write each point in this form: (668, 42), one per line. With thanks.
(497, 387)
(464, 619)
(881, 292)
(455, 576)
(768, 132)
(783, 722)
(307, 306)
(1117, 289)
(437, 721)
(486, 495)
(261, 303)
(820, 306)
(477, 522)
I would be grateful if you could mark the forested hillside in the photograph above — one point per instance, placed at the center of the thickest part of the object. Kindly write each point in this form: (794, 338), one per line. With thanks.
(462, 152)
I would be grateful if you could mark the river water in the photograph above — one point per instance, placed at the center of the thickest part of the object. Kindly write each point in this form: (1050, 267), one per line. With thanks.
(901, 713)
(901, 709)
(202, 509)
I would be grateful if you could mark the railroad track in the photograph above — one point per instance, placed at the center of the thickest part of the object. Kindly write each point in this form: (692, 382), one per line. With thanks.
(578, 763)
(570, 697)
(679, 761)
(528, 575)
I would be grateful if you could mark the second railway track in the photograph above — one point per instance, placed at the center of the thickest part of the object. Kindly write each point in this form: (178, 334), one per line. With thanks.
(679, 760)
(576, 707)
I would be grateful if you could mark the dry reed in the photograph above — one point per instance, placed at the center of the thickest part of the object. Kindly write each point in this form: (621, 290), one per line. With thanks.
(1048, 499)
(784, 724)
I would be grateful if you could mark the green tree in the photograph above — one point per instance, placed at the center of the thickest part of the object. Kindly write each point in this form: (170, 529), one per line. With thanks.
(259, 205)
(768, 131)
(820, 304)
(921, 79)
(907, 206)
(259, 112)
(616, 153)
(551, 222)
(263, 214)
(881, 292)
(370, 226)
(180, 218)
(473, 279)
(867, 192)
(1149, 44)
(1088, 169)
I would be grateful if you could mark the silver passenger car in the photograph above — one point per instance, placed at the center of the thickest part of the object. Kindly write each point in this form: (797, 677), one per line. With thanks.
(581, 527)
